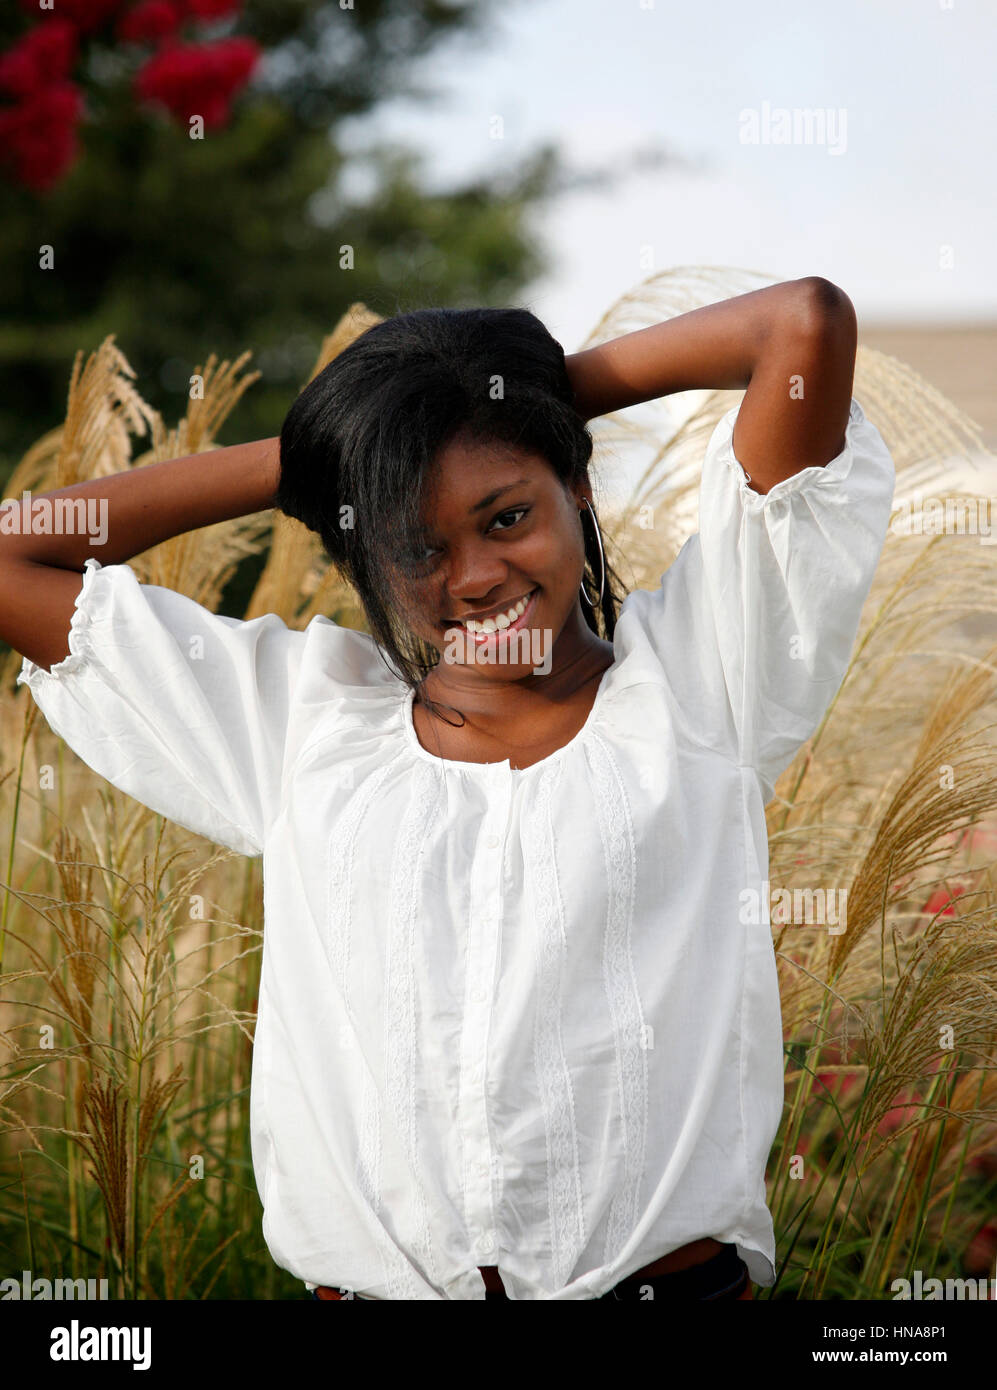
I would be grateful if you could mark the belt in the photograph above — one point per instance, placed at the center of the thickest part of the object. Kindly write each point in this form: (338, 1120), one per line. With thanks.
(703, 1280)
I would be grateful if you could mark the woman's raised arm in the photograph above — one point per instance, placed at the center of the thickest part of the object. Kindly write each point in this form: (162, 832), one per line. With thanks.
(792, 345)
(41, 570)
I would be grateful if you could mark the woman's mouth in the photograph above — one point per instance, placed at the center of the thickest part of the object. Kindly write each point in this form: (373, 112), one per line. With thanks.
(502, 625)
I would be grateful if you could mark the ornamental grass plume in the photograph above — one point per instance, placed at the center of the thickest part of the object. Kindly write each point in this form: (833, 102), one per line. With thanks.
(891, 803)
(131, 948)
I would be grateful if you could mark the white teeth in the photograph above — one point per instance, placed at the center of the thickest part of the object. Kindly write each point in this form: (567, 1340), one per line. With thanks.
(503, 620)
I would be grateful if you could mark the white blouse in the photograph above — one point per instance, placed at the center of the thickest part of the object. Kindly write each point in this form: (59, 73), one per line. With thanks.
(512, 1017)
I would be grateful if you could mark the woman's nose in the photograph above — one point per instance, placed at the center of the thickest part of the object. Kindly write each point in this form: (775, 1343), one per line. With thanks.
(475, 571)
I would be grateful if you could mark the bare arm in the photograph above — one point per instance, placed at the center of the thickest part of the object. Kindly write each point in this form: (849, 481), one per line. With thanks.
(800, 331)
(41, 574)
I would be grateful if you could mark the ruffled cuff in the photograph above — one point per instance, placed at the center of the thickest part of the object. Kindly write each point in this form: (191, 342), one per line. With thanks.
(815, 475)
(85, 613)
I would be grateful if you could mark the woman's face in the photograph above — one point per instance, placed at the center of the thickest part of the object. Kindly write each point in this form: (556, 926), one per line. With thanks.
(499, 527)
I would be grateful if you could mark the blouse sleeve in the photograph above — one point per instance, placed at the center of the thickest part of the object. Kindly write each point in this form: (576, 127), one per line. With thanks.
(181, 708)
(755, 621)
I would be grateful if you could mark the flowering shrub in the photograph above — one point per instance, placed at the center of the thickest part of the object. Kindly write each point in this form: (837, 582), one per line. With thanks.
(149, 22)
(85, 15)
(186, 76)
(38, 135)
(44, 55)
(198, 79)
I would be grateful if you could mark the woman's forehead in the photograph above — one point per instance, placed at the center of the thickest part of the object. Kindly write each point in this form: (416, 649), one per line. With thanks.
(468, 478)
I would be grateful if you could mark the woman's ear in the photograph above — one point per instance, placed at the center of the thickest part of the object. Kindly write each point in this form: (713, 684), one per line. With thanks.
(582, 491)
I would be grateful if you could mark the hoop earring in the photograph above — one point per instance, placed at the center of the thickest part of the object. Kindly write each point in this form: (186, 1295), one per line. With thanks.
(602, 560)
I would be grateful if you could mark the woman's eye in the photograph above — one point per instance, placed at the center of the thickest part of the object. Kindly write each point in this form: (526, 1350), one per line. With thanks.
(417, 560)
(517, 511)
(412, 558)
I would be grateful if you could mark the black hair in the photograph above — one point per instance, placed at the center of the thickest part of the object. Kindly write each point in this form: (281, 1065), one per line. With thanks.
(360, 441)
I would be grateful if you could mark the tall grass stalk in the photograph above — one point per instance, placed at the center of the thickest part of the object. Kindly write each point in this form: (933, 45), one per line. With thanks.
(125, 1146)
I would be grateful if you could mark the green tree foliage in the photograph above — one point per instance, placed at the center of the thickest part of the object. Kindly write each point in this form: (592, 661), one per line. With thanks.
(185, 246)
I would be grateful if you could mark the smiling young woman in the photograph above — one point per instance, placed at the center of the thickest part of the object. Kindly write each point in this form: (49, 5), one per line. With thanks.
(514, 1036)
(519, 699)
(490, 497)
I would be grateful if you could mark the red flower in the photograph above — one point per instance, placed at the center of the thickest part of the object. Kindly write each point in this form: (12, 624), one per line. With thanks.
(149, 22)
(44, 55)
(981, 1252)
(941, 902)
(38, 137)
(86, 15)
(18, 71)
(205, 10)
(841, 1082)
(985, 1163)
(905, 1111)
(838, 1082)
(198, 79)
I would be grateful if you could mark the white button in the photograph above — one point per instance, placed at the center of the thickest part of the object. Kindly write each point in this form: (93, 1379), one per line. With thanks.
(486, 1243)
(492, 841)
(482, 1168)
(477, 995)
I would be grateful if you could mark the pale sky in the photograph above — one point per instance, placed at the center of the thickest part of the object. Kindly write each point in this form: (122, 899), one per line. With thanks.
(902, 217)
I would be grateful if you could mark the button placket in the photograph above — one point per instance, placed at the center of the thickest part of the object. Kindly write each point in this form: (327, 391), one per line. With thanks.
(482, 956)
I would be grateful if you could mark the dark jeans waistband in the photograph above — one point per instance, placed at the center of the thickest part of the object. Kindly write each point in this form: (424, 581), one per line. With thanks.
(724, 1275)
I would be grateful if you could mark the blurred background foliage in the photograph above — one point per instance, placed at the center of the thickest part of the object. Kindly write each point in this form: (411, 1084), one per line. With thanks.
(181, 246)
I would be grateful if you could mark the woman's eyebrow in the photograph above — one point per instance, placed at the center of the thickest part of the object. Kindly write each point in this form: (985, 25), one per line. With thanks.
(427, 535)
(487, 501)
